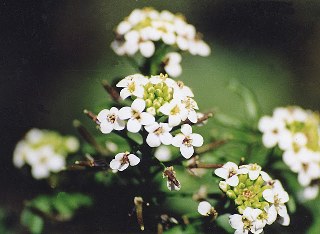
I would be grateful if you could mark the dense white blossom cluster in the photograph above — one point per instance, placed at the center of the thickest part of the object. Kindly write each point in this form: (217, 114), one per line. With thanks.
(45, 151)
(260, 200)
(159, 105)
(297, 133)
(146, 29)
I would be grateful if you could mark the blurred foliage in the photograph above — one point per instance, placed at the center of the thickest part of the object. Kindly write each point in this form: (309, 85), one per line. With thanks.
(57, 208)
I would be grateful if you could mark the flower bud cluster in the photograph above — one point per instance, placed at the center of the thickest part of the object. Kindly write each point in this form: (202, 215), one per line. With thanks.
(297, 133)
(45, 151)
(143, 28)
(159, 104)
(259, 199)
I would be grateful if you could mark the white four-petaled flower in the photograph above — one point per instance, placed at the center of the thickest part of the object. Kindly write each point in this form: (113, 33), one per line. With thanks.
(229, 172)
(186, 140)
(277, 198)
(176, 112)
(246, 222)
(132, 85)
(136, 116)
(122, 160)
(158, 133)
(109, 120)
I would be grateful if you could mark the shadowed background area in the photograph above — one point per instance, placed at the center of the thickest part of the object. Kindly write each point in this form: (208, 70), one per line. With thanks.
(55, 53)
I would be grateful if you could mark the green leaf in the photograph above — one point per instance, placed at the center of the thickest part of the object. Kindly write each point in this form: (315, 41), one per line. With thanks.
(33, 222)
(223, 222)
(249, 99)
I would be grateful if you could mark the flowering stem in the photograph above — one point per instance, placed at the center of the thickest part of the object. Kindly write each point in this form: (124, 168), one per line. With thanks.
(89, 138)
(205, 166)
(208, 147)
(114, 94)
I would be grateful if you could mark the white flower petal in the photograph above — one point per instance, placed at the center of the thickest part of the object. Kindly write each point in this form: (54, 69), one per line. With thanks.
(174, 120)
(125, 113)
(222, 172)
(153, 140)
(146, 118)
(106, 127)
(133, 160)
(186, 151)
(147, 48)
(122, 167)
(166, 138)
(233, 180)
(186, 129)
(236, 221)
(197, 140)
(268, 195)
(133, 125)
(285, 221)
(204, 208)
(138, 105)
(177, 140)
(115, 164)
(272, 215)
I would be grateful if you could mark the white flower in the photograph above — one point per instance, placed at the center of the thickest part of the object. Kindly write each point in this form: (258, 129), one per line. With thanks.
(246, 222)
(20, 152)
(204, 208)
(109, 120)
(132, 85)
(112, 147)
(252, 169)
(199, 47)
(229, 172)
(147, 48)
(305, 163)
(277, 198)
(182, 91)
(123, 27)
(191, 105)
(34, 135)
(172, 64)
(268, 216)
(163, 153)
(122, 160)
(158, 133)
(186, 140)
(136, 116)
(72, 144)
(43, 161)
(309, 193)
(271, 129)
(176, 112)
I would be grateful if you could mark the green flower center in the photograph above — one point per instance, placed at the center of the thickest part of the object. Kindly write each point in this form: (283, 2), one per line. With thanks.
(248, 193)
(156, 95)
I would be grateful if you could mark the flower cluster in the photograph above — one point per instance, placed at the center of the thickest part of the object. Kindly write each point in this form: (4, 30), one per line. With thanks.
(297, 133)
(144, 28)
(45, 151)
(159, 106)
(259, 199)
